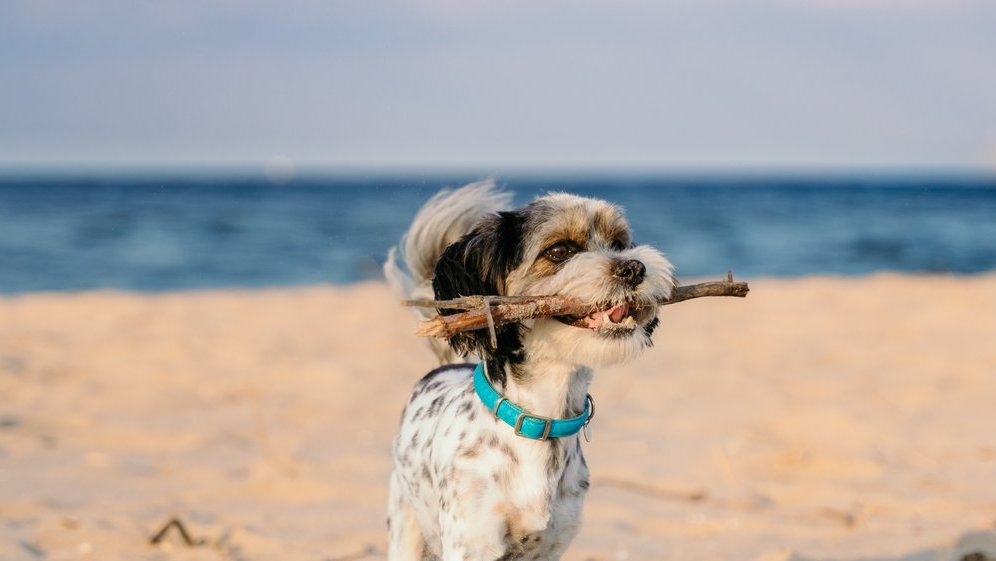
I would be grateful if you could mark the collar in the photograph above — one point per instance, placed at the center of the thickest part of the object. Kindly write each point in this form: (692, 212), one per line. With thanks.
(525, 424)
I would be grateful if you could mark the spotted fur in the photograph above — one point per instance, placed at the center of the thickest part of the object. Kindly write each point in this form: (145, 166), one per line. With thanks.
(464, 486)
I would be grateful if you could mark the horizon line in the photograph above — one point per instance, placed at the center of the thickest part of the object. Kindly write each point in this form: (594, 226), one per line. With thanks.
(316, 170)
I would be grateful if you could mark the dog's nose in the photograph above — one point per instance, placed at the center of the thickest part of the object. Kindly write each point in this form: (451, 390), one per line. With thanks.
(630, 271)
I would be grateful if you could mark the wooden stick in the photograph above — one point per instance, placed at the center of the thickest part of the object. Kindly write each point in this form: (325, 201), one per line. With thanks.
(490, 311)
(181, 529)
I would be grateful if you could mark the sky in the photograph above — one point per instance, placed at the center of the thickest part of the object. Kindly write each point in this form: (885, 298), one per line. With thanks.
(493, 85)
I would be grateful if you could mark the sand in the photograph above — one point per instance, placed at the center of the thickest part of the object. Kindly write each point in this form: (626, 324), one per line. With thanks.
(820, 418)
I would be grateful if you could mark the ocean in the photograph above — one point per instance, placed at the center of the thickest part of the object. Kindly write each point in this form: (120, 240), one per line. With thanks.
(177, 233)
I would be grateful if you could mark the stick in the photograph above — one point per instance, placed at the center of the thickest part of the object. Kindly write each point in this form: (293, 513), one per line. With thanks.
(181, 529)
(493, 311)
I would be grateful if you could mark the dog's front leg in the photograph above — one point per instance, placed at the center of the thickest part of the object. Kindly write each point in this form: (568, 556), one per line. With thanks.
(404, 541)
(474, 540)
(473, 526)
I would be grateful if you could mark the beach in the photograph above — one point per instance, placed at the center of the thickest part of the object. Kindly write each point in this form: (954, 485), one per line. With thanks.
(819, 418)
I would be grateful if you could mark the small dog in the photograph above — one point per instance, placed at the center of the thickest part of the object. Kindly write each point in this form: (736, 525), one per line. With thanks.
(488, 462)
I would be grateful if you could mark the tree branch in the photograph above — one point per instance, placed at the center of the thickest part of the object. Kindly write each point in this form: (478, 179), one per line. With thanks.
(488, 312)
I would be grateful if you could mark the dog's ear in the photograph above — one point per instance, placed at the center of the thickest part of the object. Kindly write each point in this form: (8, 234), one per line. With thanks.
(477, 265)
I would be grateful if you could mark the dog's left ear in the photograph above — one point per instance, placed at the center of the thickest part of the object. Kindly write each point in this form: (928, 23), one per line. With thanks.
(477, 265)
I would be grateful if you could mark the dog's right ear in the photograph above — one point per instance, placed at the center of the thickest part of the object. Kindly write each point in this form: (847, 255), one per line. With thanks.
(477, 265)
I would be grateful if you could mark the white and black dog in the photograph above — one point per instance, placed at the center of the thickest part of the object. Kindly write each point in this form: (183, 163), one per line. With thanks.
(488, 462)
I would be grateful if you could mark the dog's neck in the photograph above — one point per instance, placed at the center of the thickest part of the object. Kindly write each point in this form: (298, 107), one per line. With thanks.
(548, 387)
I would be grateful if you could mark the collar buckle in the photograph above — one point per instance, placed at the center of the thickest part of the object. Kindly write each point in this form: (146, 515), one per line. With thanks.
(547, 425)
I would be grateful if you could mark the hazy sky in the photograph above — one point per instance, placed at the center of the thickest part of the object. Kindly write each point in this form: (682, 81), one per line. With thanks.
(500, 84)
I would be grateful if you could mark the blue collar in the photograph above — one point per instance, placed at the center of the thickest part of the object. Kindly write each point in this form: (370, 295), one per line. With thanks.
(524, 423)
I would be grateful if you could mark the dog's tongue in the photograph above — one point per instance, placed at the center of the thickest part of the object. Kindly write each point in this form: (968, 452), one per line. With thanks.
(617, 313)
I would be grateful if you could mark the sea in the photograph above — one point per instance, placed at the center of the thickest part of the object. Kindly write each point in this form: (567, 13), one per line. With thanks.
(164, 233)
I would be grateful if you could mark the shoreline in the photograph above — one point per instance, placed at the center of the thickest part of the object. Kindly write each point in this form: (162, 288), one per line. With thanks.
(248, 289)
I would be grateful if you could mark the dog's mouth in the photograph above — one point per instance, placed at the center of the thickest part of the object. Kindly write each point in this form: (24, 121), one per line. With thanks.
(619, 318)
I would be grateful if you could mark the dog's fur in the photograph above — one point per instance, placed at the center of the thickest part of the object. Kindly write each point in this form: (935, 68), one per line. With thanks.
(464, 486)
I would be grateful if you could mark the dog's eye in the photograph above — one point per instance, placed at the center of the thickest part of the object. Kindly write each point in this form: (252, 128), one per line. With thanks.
(617, 245)
(560, 252)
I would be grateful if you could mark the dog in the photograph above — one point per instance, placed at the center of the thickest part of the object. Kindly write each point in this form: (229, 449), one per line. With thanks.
(488, 462)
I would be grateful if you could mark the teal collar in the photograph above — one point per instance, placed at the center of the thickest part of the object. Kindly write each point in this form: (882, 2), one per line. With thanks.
(524, 423)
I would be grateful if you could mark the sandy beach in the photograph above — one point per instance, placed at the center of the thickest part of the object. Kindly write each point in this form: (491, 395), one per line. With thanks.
(820, 418)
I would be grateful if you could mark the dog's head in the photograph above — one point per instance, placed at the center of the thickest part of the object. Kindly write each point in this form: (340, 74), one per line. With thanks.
(565, 245)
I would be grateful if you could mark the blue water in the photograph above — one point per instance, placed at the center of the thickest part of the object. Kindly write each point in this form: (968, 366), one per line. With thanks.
(183, 233)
